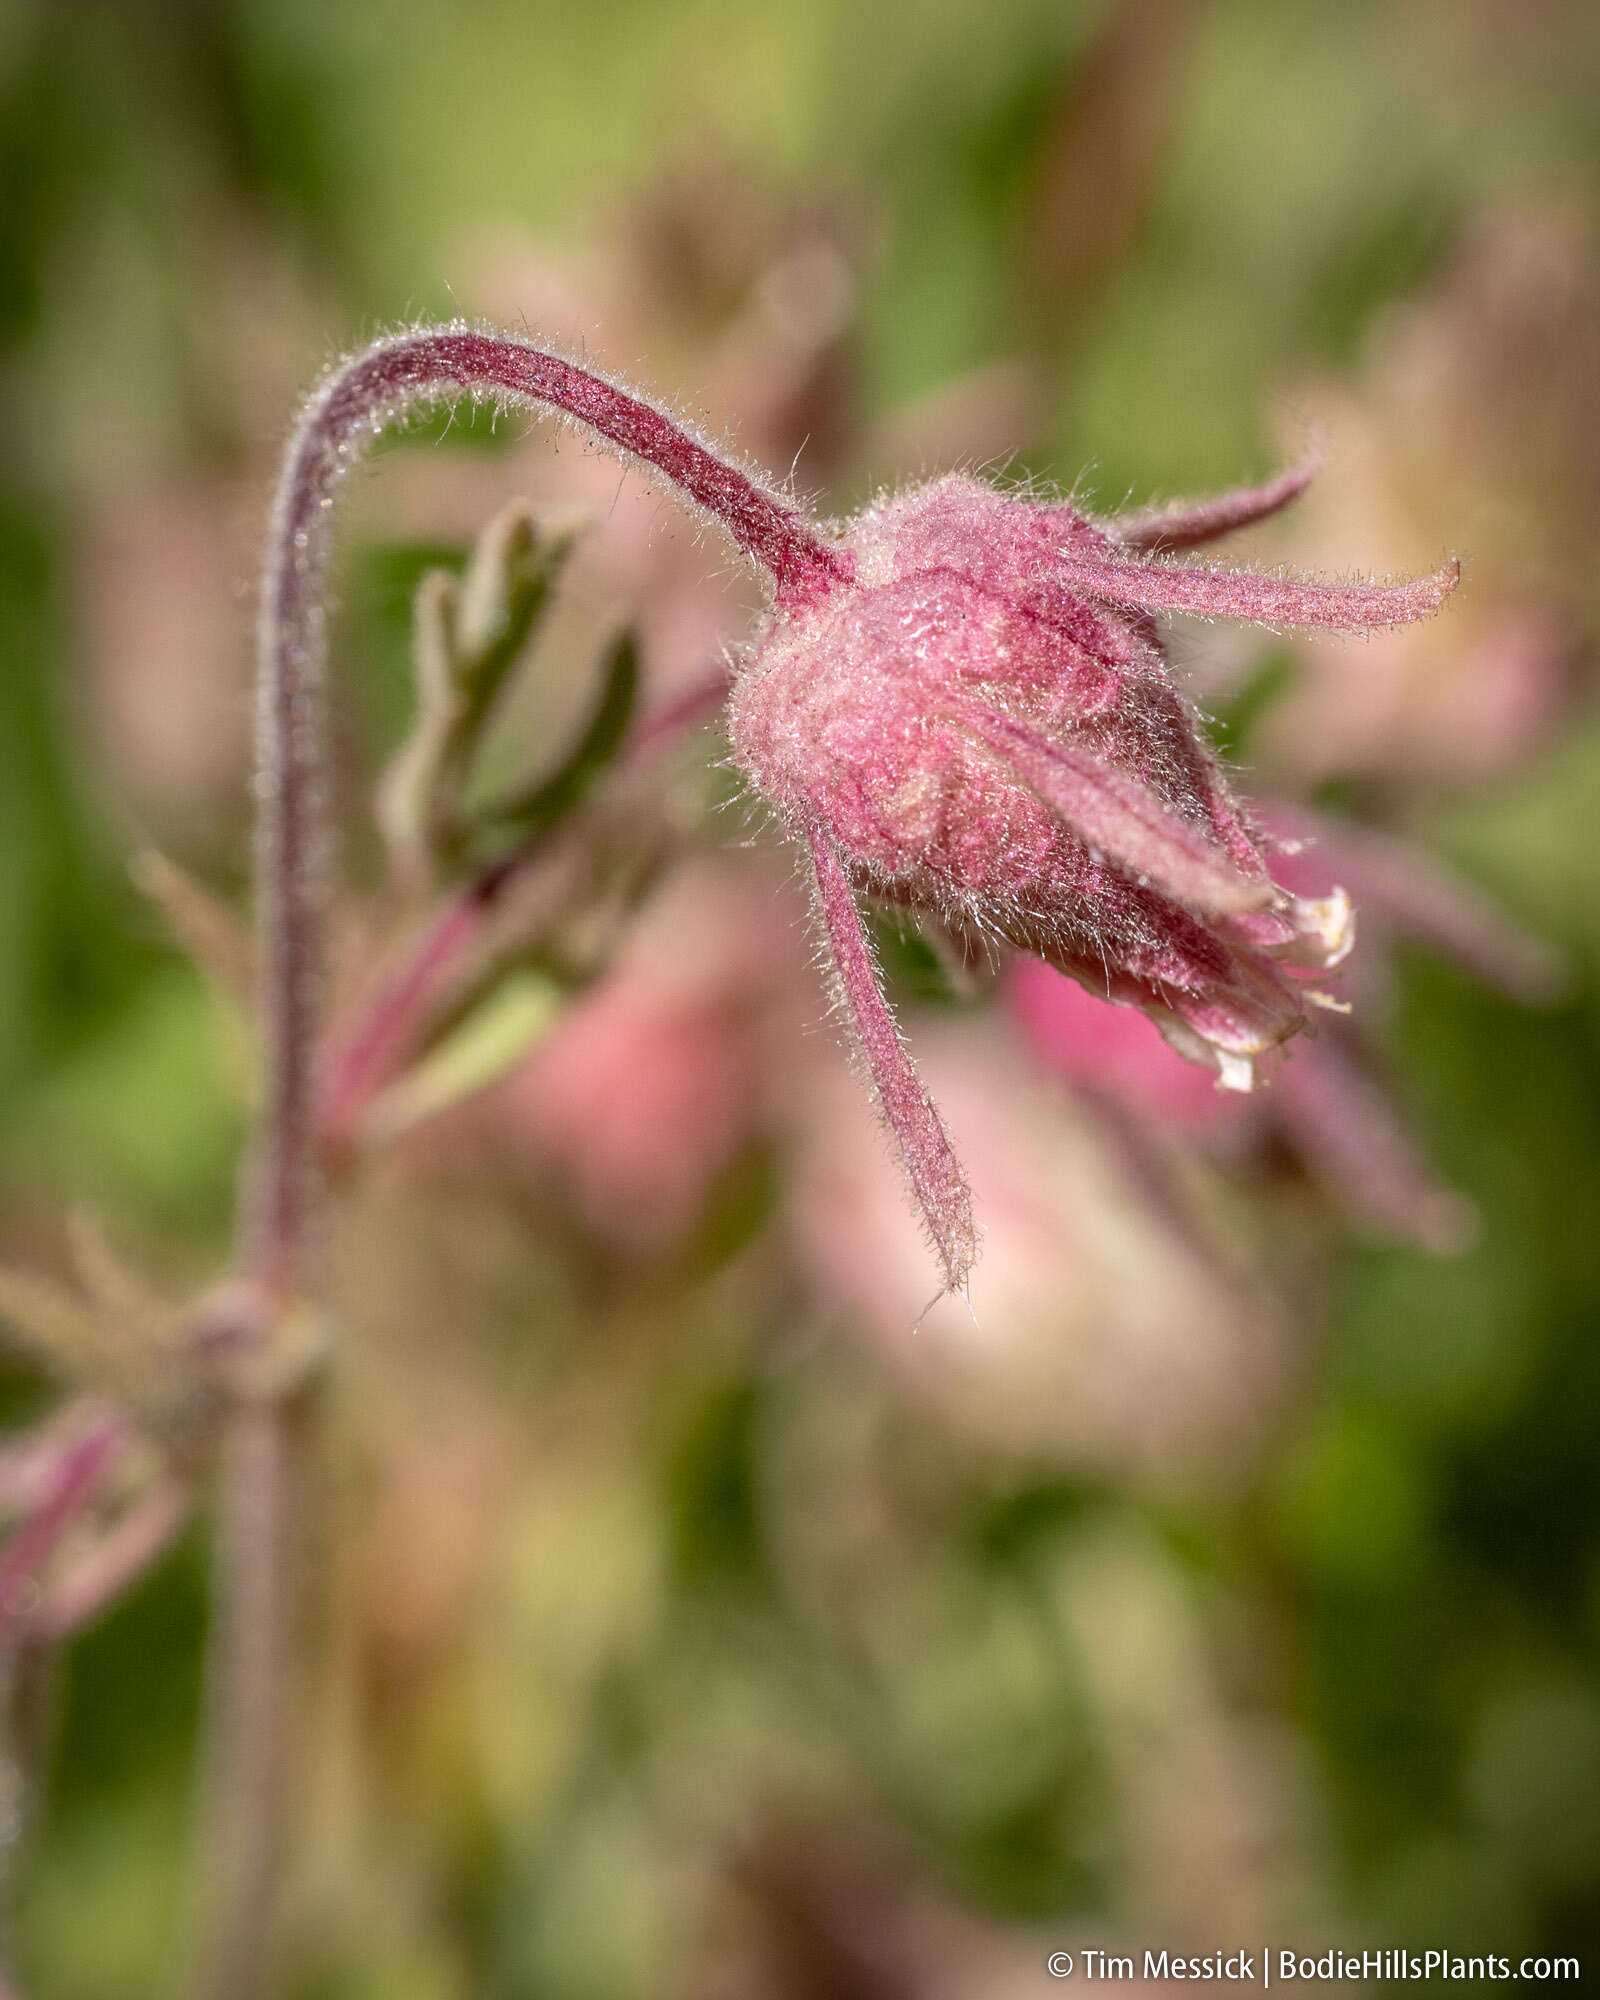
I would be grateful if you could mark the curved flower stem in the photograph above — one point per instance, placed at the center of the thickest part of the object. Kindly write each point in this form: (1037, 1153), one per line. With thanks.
(342, 418)
(278, 1231)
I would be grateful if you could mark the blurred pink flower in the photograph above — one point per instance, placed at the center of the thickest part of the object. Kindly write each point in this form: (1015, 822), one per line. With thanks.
(653, 1082)
(1473, 423)
(165, 580)
(1106, 1325)
(1115, 1051)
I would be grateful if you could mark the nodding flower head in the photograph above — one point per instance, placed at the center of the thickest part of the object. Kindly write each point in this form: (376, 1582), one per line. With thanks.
(961, 704)
(980, 723)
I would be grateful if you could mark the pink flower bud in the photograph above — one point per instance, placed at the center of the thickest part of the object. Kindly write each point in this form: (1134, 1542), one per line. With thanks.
(977, 719)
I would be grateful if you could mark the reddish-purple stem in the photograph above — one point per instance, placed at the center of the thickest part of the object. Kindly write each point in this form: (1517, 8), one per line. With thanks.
(276, 1246)
(342, 418)
(123, 1553)
(79, 1471)
(931, 1166)
(356, 1067)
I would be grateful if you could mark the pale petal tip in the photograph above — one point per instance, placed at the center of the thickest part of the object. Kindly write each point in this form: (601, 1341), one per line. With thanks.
(1233, 1069)
(1235, 1072)
(1328, 925)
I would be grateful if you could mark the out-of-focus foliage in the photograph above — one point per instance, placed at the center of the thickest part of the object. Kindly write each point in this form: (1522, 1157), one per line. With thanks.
(675, 1620)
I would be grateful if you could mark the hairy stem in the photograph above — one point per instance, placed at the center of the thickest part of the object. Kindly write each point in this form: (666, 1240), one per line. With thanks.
(278, 1233)
(350, 408)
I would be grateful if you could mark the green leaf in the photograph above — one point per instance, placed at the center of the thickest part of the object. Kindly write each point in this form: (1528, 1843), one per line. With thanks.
(468, 636)
(540, 806)
(520, 1011)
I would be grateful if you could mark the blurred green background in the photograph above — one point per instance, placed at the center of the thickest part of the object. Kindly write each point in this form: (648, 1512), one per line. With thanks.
(664, 1637)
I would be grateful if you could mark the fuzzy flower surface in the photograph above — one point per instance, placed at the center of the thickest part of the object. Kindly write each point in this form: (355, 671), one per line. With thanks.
(979, 722)
(959, 703)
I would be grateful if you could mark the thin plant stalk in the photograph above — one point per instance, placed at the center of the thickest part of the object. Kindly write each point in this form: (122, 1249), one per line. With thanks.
(280, 1223)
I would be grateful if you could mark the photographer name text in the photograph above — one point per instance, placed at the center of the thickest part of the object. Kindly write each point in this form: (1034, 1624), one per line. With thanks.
(1248, 1968)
